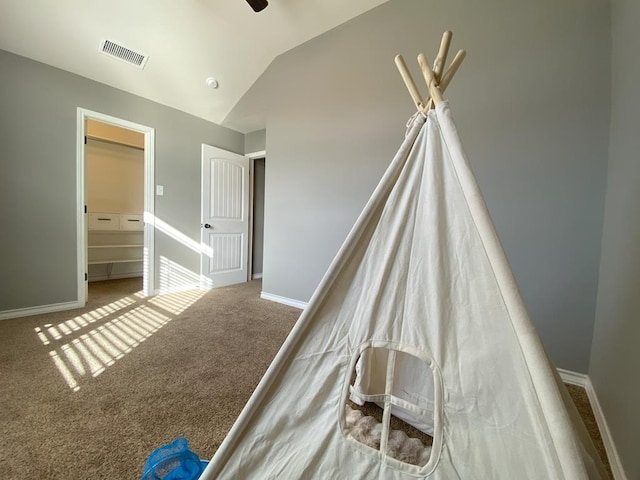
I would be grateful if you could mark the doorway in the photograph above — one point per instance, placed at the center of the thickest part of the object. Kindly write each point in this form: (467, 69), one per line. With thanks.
(115, 231)
(258, 168)
(256, 231)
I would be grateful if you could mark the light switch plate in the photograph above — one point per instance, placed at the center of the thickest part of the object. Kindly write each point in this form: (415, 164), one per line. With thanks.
(159, 189)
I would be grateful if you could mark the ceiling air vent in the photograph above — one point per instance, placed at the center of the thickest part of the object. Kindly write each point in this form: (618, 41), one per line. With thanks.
(123, 53)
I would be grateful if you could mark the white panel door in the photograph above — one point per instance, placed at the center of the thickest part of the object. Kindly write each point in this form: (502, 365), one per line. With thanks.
(225, 217)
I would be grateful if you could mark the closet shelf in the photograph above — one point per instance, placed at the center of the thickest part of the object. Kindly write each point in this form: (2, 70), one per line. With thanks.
(129, 245)
(115, 238)
(107, 262)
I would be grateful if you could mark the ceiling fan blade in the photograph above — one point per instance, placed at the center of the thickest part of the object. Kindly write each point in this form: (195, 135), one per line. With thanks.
(258, 5)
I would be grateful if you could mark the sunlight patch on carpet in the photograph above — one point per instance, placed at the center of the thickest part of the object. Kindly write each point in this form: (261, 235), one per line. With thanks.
(86, 345)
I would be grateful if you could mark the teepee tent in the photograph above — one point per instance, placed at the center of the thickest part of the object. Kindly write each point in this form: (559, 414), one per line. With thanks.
(419, 316)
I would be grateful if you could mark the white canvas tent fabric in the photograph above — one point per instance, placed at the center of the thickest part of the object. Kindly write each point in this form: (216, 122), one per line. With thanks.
(422, 290)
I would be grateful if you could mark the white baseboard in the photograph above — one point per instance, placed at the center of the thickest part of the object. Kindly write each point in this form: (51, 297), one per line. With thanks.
(256, 276)
(573, 378)
(584, 381)
(284, 300)
(607, 439)
(27, 312)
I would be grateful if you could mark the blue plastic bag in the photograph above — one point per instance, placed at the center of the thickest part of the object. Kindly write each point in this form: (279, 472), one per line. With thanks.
(173, 461)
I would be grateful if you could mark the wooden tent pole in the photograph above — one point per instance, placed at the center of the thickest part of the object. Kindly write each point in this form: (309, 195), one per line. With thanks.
(409, 82)
(429, 78)
(441, 58)
(436, 80)
(451, 71)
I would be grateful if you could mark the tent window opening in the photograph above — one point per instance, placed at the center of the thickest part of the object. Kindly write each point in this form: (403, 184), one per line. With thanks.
(391, 406)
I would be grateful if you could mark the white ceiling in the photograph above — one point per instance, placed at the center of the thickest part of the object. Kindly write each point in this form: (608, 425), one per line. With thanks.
(186, 40)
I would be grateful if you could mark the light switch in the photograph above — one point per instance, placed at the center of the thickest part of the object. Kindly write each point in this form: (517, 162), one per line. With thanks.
(159, 189)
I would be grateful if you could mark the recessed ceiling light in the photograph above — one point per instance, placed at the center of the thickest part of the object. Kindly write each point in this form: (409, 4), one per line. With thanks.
(211, 82)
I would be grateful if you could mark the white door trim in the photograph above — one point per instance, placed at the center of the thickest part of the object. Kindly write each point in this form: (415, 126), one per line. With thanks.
(252, 184)
(253, 156)
(149, 198)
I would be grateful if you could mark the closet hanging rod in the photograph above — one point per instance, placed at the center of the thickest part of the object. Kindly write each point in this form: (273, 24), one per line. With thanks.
(114, 142)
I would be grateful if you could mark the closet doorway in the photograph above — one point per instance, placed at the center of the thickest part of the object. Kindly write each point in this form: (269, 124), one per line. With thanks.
(115, 200)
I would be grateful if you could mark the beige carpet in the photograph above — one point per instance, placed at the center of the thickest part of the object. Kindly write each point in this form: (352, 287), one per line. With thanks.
(88, 394)
(189, 377)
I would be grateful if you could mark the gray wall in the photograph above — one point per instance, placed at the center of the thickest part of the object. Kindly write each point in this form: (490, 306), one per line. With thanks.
(255, 141)
(258, 215)
(528, 103)
(615, 355)
(38, 177)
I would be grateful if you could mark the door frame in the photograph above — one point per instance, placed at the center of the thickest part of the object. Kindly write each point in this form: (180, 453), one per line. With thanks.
(83, 114)
(253, 156)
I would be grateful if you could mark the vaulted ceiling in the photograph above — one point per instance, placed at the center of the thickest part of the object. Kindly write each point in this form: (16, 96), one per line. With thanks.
(187, 41)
